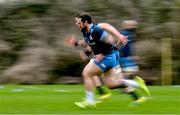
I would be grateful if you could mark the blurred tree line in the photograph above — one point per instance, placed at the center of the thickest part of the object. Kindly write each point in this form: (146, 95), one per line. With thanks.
(32, 32)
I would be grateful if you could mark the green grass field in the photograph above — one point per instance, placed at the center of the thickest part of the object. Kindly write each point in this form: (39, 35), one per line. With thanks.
(59, 99)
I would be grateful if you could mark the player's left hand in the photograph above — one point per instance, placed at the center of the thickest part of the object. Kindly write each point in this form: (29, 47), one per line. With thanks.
(123, 40)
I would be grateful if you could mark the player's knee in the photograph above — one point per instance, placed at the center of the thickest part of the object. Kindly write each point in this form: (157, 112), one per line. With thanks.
(111, 85)
(85, 74)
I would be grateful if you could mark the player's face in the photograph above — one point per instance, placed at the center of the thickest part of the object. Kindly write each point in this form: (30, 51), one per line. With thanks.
(79, 23)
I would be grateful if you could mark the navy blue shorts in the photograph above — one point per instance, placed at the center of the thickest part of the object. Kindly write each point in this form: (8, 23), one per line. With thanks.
(128, 64)
(108, 62)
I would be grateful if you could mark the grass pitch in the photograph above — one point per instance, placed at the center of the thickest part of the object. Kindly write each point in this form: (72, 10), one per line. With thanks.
(59, 99)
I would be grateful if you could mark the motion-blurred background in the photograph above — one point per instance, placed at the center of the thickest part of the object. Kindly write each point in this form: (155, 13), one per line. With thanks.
(32, 34)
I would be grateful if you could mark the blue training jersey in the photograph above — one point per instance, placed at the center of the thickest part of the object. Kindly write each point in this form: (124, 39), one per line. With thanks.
(95, 39)
(126, 50)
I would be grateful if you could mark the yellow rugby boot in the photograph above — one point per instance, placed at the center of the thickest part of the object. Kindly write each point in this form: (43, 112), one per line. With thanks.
(85, 104)
(142, 85)
(138, 102)
(105, 96)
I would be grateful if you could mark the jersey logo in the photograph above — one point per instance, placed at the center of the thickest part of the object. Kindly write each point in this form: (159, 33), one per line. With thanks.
(90, 38)
(103, 65)
(92, 43)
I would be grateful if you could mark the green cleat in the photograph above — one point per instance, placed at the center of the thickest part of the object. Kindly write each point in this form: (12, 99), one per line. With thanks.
(142, 85)
(85, 104)
(104, 96)
(98, 101)
(138, 102)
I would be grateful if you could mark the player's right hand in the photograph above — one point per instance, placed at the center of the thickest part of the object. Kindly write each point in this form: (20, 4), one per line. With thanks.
(70, 39)
(99, 57)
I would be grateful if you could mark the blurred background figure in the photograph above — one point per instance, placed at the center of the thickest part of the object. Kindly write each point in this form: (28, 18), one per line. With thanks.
(127, 59)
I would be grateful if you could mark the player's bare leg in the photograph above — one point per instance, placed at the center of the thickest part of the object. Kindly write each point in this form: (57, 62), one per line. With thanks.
(89, 72)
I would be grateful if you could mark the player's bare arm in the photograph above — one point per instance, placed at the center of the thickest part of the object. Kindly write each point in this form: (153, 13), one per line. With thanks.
(71, 40)
(121, 38)
(85, 53)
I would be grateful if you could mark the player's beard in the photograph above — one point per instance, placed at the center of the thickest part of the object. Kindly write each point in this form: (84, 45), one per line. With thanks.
(84, 29)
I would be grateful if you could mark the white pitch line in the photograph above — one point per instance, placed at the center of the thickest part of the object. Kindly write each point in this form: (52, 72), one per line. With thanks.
(17, 90)
(32, 87)
(55, 90)
(175, 85)
(2, 87)
(61, 90)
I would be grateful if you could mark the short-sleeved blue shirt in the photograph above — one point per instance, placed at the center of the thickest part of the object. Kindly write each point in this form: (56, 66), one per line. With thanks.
(95, 37)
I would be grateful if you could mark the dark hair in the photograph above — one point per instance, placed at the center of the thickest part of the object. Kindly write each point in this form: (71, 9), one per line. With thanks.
(85, 16)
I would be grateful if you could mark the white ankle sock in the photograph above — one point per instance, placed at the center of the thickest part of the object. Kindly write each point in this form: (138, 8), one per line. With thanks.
(90, 96)
(131, 83)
